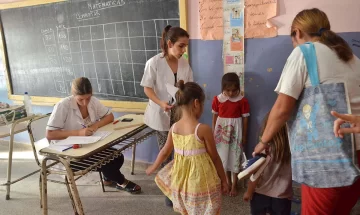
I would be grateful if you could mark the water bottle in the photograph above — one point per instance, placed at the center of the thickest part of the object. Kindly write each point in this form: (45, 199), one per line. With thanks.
(27, 103)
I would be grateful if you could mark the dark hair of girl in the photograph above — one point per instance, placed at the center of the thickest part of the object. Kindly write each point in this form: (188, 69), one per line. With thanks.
(230, 79)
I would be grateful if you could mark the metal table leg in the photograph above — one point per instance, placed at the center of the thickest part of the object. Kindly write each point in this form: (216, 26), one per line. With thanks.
(133, 159)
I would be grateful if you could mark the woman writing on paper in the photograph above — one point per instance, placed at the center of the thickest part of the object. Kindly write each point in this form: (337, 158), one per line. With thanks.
(81, 115)
(168, 67)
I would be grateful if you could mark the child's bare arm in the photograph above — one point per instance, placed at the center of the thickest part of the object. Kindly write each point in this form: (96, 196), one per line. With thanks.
(163, 154)
(250, 190)
(244, 130)
(214, 119)
(205, 134)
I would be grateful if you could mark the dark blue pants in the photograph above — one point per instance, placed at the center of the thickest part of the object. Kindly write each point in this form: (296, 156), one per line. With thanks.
(261, 204)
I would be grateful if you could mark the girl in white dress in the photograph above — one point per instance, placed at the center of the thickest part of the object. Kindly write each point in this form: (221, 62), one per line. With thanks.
(230, 121)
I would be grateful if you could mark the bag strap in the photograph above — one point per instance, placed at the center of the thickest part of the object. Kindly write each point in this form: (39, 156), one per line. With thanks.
(308, 50)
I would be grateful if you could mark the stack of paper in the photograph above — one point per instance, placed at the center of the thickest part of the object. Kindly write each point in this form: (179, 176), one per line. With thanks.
(102, 134)
(59, 148)
(171, 89)
(78, 140)
(63, 145)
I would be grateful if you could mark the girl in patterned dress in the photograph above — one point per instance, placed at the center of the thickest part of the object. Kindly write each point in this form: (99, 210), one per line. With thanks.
(230, 121)
(195, 179)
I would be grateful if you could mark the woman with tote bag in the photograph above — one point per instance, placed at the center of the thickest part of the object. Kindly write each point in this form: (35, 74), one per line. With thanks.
(321, 75)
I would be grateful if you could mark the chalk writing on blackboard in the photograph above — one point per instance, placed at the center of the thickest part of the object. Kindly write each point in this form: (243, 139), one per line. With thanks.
(105, 4)
(95, 7)
(100, 48)
(87, 15)
(108, 41)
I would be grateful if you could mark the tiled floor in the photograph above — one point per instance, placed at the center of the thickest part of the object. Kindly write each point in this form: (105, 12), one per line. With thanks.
(25, 194)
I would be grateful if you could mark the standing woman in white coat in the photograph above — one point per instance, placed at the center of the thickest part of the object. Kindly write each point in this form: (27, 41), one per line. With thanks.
(167, 67)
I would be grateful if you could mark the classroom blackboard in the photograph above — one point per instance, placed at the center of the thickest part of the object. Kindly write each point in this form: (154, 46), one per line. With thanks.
(108, 41)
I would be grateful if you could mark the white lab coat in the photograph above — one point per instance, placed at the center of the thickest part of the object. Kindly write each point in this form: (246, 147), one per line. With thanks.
(156, 75)
(67, 116)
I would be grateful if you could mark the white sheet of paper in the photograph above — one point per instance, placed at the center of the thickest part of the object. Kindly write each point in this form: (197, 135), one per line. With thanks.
(172, 91)
(102, 134)
(78, 140)
(59, 148)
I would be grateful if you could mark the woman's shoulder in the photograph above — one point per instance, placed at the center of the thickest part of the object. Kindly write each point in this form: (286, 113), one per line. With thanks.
(320, 49)
(94, 99)
(184, 61)
(64, 105)
(65, 102)
(184, 64)
(156, 58)
(355, 63)
(95, 102)
(296, 54)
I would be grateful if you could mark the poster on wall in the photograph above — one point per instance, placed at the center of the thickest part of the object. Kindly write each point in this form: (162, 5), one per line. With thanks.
(257, 15)
(232, 21)
(233, 42)
(211, 19)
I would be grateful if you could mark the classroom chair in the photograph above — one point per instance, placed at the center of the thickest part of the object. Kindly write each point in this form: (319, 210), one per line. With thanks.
(37, 132)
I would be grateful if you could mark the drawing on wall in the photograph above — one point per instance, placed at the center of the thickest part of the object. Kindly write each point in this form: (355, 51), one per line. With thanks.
(236, 17)
(236, 41)
(229, 59)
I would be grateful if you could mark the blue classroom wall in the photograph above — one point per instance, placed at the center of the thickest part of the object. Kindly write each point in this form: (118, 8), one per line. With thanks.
(261, 56)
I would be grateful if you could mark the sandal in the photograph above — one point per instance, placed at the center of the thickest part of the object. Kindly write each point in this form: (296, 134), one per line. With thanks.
(130, 187)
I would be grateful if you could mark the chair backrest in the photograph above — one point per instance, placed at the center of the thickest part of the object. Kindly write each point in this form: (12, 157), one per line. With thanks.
(37, 131)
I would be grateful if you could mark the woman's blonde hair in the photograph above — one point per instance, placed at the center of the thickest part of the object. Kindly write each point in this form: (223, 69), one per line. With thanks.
(315, 23)
(81, 86)
(280, 148)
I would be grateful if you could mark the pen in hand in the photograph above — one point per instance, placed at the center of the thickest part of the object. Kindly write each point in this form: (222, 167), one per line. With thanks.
(86, 131)
(84, 126)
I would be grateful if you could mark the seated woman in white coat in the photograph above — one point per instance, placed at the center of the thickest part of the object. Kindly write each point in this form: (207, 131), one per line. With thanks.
(81, 115)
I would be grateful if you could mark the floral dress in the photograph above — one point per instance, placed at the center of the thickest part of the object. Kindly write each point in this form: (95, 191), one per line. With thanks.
(228, 129)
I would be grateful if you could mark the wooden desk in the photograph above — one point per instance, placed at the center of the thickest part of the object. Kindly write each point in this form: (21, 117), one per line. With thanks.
(93, 156)
(111, 140)
(10, 130)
